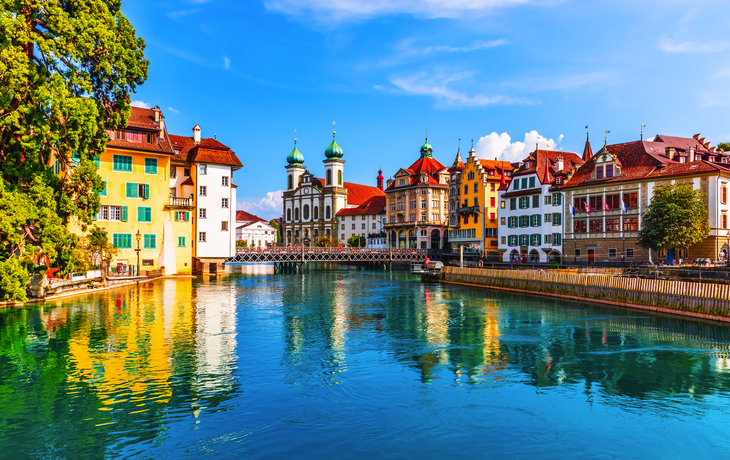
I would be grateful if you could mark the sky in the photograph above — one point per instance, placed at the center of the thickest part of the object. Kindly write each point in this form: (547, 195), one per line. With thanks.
(505, 74)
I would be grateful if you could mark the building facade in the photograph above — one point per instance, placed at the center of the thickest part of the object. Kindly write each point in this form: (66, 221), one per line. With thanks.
(364, 220)
(531, 214)
(202, 171)
(311, 204)
(476, 216)
(417, 204)
(607, 197)
(255, 231)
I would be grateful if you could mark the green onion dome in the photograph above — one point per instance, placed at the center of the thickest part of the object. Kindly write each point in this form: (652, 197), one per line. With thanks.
(426, 150)
(334, 150)
(295, 157)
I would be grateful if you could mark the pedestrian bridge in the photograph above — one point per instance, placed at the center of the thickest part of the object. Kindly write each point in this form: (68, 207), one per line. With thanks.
(333, 255)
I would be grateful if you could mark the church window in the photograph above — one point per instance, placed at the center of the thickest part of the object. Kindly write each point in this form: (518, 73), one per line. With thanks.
(329, 177)
(291, 182)
(296, 213)
(327, 213)
(288, 215)
(339, 177)
(305, 211)
(316, 213)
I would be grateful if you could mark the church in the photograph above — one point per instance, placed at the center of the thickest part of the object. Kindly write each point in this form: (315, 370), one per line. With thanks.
(311, 204)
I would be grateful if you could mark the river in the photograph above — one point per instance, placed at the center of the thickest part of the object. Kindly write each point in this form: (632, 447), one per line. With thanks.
(348, 364)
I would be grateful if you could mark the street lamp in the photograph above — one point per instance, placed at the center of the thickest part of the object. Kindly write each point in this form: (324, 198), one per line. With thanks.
(139, 237)
(623, 241)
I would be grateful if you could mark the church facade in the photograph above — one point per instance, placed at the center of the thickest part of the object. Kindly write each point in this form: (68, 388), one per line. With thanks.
(311, 204)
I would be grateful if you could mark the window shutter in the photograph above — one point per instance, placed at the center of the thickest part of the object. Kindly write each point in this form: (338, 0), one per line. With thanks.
(187, 216)
(538, 219)
(177, 215)
(560, 219)
(560, 199)
(125, 213)
(132, 191)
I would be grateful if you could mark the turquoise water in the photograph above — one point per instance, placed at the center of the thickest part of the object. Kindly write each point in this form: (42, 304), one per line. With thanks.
(350, 364)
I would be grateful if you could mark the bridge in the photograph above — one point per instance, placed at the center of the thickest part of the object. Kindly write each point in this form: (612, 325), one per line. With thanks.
(291, 259)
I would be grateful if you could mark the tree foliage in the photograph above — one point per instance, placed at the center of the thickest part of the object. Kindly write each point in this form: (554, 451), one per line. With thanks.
(273, 223)
(357, 241)
(724, 145)
(98, 250)
(676, 218)
(241, 244)
(67, 68)
(328, 242)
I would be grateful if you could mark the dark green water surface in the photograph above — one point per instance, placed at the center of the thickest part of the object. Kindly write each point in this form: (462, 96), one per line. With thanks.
(347, 364)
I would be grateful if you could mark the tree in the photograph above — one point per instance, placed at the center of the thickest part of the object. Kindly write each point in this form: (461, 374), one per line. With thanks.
(676, 218)
(724, 145)
(357, 241)
(66, 72)
(273, 223)
(99, 250)
(241, 244)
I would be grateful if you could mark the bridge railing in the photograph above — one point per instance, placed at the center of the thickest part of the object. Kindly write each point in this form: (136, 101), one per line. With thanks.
(293, 250)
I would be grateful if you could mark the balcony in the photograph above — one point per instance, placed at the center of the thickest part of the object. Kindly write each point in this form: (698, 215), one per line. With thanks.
(180, 203)
(468, 210)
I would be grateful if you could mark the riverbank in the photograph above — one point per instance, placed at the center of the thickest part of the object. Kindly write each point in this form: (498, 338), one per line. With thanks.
(696, 300)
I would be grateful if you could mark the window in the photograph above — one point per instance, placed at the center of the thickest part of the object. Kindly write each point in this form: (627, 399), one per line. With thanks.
(723, 195)
(516, 185)
(476, 187)
(501, 204)
(631, 224)
(182, 216)
(557, 218)
(630, 253)
(288, 215)
(173, 172)
(203, 190)
(224, 225)
(532, 182)
(599, 172)
(150, 241)
(202, 170)
(373, 225)
(305, 211)
(492, 187)
(724, 220)
(548, 238)
(557, 199)
(103, 190)
(343, 226)
(316, 213)
(424, 204)
(296, 213)
(613, 225)
(413, 205)
(613, 201)
(492, 217)
(609, 170)
(103, 213)
(339, 177)
(577, 253)
(186, 172)
(557, 237)
(535, 201)
(363, 226)
(512, 204)
(122, 240)
(329, 177)
(181, 241)
(524, 183)
(115, 213)
(353, 226)
(202, 213)
(466, 188)
(327, 212)
(150, 165)
(579, 226)
(122, 163)
(612, 253)
(631, 200)
(596, 225)
(201, 237)
(596, 203)
(291, 182)
(400, 182)
(548, 199)
(144, 214)
(579, 204)
(135, 190)
(535, 220)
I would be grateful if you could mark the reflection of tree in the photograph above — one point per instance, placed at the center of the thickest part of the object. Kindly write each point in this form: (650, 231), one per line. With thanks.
(91, 377)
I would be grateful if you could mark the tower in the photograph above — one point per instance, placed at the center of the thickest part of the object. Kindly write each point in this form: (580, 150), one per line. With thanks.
(334, 165)
(295, 168)
(380, 179)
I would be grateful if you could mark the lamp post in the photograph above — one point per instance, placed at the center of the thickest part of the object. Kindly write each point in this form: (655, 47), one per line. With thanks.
(623, 241)
(727, 254)
(139, 237)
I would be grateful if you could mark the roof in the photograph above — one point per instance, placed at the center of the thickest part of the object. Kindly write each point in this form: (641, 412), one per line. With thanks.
(587, 150)
(426, 165)
(538, 161)
(497, 166)
(647, 160)
(243, 216)
(145, 119)
(374, 205)
(207, 151)
(458, 163)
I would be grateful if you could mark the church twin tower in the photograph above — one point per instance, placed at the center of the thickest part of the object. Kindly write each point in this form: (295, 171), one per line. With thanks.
(333, 166)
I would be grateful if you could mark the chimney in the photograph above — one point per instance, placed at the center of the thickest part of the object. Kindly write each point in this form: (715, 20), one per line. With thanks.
(691, 156)
(157, 113)
(670, 152)
(558, 164)
(196, 134)
(162, 127)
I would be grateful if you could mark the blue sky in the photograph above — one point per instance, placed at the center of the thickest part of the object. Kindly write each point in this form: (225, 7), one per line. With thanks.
(506, 73)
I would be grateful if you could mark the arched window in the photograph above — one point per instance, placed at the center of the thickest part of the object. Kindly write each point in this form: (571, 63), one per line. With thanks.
(288, 215)
(316, 213)
(291, 182)
(329, 177)
(296, 213)
(306, 212)
(327, 213)
(339, 177)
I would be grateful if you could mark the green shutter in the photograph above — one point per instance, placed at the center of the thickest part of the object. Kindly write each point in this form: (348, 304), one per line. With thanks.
(97, 161)
(181, 241)
(187, 216)
(560, 219)
(122, 163)
(150, 165)
(144, 214)
(559, 198)
(176, 216)
(532, 182)
(150, 241)
(132, 190)
(125, 213)
(517, 185)
(146, 191)
(104, 190)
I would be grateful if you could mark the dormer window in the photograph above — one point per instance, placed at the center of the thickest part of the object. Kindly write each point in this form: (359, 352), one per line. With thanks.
(609, 170)
(527, 165)
(599, 172)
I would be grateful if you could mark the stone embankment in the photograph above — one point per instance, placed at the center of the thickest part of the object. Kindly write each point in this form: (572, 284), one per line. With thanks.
(699, 300)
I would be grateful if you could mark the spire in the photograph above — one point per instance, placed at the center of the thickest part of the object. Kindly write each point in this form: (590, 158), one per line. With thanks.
(503, 183)
(380, 179)
(458, 162)
(587, 151)
(547, 178)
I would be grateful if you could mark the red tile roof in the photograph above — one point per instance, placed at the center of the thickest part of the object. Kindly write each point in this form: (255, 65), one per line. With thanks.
(497, 166)
(537, 163)
(208, 151)
(357, 194)
(374, 205)
(426, 165)
(243, 216)
(144, 119)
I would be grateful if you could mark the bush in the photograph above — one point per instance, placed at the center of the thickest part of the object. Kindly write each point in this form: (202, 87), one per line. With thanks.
(13, 280)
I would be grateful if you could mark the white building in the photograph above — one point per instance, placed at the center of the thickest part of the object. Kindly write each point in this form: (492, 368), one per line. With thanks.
(531, 208)
(208, 176)
(255, 231)
(364, 220)
(311, 204)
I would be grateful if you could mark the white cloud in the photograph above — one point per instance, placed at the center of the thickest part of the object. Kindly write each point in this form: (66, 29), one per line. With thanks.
(500, 146)
(141, 104)
(670, 46)
(477, 45)
(438, 86)
(268, 207)
(353, 9)
(226, 62)
(176, 112)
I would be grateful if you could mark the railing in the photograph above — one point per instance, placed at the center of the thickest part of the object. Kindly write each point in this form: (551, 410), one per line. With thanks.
(468, 210)
(326, 250)
(181, 202)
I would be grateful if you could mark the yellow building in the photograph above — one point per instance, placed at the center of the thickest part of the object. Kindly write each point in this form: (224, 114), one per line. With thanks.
(478, 213)
(142, 221)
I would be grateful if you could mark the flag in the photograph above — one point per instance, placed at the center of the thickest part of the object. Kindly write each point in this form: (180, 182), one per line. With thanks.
(624, 207)
(605, 206)
(587, 208)
(572, 210)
